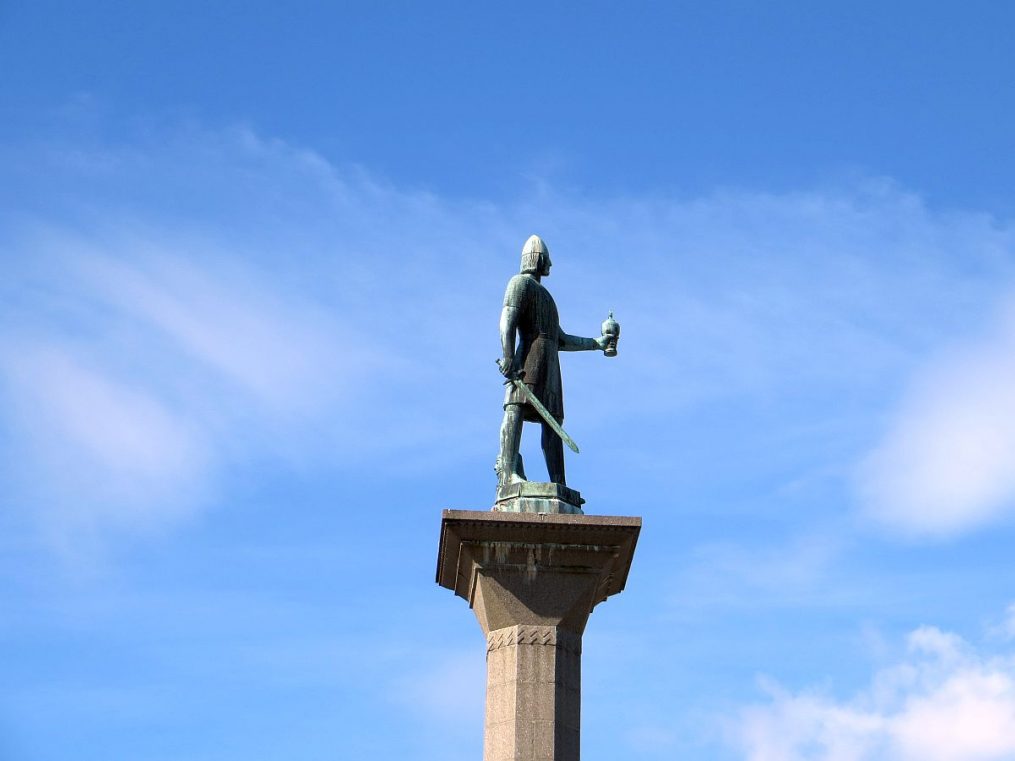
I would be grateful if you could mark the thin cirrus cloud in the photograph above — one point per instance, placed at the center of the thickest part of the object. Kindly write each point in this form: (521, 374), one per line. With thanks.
(191, 305)
(135, 376)
(944, 701)
(257, 339)
(98, 446)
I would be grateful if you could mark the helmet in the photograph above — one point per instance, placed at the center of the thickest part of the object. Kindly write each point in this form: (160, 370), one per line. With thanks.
(533, 253)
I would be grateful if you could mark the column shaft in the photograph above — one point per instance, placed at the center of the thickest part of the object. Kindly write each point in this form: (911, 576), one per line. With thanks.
(533, 694)
(532, 579)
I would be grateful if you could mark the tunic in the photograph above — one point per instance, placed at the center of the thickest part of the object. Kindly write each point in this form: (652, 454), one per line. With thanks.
(537, 346)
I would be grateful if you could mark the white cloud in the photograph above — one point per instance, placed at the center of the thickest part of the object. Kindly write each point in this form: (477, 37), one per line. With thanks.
(231, 320)
(143, 369)
(947, 461)
(942, 702)
(94, 451)
(269, 306)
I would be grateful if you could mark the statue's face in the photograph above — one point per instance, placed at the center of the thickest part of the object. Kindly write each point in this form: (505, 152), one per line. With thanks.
(545, 264)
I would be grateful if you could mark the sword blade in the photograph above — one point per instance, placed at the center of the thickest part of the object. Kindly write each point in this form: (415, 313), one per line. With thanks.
(543, 413)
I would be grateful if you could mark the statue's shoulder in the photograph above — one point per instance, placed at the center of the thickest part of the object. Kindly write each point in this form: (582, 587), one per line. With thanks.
(517, 288)
(521, 280)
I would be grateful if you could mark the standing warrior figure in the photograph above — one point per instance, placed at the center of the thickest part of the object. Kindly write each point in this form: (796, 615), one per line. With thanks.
(530, 338)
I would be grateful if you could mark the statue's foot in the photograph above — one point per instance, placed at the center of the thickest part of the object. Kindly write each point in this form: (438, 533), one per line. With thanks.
(514, 478)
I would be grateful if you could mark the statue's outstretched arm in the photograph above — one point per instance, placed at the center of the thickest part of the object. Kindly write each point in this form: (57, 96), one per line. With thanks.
(577, 343)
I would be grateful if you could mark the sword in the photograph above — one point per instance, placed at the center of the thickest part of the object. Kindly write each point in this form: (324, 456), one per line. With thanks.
(547, 417)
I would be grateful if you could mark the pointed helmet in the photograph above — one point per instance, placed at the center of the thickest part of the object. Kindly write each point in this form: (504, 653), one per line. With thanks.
(533, 253)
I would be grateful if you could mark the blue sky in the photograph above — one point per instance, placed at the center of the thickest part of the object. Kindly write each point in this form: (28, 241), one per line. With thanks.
(254, 257)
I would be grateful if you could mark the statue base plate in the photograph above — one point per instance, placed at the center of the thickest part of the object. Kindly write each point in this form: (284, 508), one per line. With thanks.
(538, 497)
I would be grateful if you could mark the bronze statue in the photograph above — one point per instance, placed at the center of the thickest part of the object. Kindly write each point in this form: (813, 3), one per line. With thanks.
(531, 337)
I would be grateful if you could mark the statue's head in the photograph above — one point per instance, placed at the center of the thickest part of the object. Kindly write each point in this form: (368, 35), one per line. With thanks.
(536, 257)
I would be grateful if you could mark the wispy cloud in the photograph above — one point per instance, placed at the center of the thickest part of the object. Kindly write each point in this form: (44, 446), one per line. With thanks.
(96, 447)
(943, 702)
(141, 369)
(212, 299)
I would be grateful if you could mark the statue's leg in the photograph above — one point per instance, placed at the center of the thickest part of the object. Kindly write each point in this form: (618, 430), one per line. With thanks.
(553, 451)
(510, 440)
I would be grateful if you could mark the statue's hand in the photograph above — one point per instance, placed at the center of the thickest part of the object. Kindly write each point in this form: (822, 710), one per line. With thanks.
(602, 342)
(506, 367)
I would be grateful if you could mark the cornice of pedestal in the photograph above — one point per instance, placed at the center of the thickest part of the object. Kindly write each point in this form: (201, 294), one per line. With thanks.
(532, 568)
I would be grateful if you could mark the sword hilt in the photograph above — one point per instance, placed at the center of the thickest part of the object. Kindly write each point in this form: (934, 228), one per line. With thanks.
(519, 376)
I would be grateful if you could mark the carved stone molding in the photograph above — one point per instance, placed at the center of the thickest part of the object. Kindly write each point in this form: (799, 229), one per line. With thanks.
(549, 636)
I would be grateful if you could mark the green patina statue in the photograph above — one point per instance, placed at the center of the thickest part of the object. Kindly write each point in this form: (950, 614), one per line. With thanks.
(531, 337)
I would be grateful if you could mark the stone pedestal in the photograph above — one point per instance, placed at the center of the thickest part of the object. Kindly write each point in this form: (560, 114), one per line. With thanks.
(532, 579)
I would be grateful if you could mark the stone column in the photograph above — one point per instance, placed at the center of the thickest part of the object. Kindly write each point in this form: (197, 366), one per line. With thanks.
(533, 693)
(532, 579)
